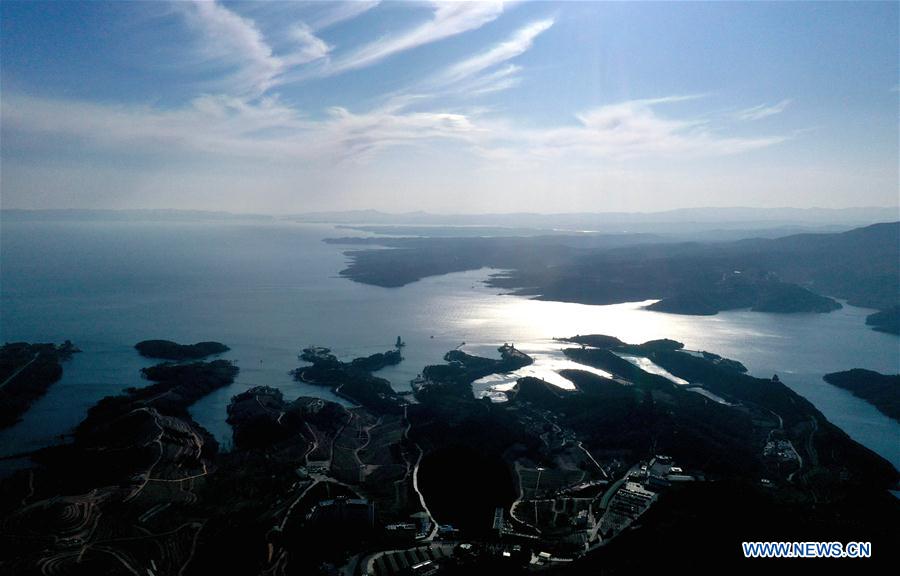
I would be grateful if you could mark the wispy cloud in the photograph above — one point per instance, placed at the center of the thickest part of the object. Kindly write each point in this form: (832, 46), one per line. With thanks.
(486, 72)
(219, 125)
(498, 54)
(309, 46)
(763, 111)
(359, 136)
(501, 79)
(342, 11)
(448, 19)
(234, 41)
(634, 128)
(620, 132)
(224, 127)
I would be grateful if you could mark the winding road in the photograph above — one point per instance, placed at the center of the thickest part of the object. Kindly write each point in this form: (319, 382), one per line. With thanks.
(19, 371)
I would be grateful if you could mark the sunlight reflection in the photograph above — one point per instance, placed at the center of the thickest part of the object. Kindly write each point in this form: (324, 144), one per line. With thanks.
(648, 365)
(547, 367)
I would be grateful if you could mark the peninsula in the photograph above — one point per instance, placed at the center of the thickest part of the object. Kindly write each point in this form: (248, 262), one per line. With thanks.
(886, 320)
(26, 372)
(879, 390)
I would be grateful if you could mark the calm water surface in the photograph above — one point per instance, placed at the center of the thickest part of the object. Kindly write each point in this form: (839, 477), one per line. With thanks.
(269, 289)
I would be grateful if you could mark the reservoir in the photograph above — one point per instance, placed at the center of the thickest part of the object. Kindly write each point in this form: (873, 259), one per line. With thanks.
(269, 289)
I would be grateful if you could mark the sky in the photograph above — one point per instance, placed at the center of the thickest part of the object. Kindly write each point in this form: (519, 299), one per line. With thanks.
(457, 107)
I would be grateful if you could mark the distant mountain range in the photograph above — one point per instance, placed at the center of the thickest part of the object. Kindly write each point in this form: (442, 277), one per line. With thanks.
(161, 214)
(797, 273)
(765, 217)
(609, 222)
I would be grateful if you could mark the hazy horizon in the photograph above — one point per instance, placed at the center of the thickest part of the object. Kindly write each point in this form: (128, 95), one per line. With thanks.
(734, 210)
(451, 108)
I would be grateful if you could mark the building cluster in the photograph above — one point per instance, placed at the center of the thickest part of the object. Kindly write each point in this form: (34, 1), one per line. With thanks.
(578, 525)
(780, 449)
(419, 561)
(417, 527)
(628, 503)
(638, 491)
(344, 514)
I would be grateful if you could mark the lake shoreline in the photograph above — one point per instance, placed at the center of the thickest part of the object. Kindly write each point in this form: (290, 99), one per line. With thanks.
(268, 309)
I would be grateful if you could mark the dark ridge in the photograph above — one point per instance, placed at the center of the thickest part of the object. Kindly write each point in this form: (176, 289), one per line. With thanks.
(451, 471)
(262, 419)
(814, 436)
(143, 431)
(799, 273)
(885, 320)
(26, 372)
(596, 341)
(175, 387)
(765, 296)
(168, 350)
(879, 390)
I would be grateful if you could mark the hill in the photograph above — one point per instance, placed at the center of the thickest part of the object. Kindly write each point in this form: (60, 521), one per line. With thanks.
(797, 273)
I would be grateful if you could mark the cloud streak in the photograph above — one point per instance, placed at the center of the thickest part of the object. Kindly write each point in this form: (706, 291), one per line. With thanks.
(236, 42)
(763, 111)
(232, 40)
(448, 19)
(310, 46)
(520, 42)
(484, 73)
(342, 12)
(227, 127)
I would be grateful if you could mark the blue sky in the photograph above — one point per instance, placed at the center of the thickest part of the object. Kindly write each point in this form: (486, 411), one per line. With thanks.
(448, 107)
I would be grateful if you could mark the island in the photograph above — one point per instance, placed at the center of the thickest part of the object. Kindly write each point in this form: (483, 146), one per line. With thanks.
(456, 377)
(26, 372)
(879, 390)
(352, 380)
(671, 447)
(886, 320)
(168, 350)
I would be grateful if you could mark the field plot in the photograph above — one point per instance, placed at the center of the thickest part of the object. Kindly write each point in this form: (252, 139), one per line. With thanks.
(538, 483)
(387, 467)
(382, 454)
(345, 464)
(181, 449)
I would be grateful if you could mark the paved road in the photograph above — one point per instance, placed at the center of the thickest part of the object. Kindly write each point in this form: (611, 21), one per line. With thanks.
(19, 371)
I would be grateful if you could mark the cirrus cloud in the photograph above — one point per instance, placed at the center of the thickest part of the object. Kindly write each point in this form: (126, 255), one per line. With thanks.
(448, 19)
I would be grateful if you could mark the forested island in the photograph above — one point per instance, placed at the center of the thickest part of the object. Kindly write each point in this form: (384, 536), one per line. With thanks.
(792, 274)
(352, 380)
(168, 350)
(879, 390)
